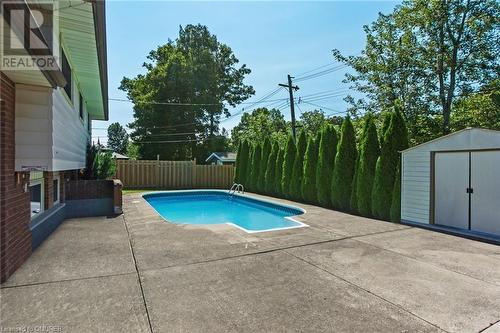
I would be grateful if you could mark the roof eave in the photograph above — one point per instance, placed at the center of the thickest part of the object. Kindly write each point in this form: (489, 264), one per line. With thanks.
(99, 12)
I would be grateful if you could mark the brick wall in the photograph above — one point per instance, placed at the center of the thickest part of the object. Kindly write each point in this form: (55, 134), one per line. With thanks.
(48, 188)
(15, 234)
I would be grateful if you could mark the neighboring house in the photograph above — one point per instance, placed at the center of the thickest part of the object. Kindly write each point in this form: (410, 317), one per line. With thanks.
(115, 155)
(46, 119)
(221, 158)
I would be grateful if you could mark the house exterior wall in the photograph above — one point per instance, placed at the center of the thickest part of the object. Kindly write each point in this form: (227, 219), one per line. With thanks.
(416, 169)
(49, 130)
(15, 234)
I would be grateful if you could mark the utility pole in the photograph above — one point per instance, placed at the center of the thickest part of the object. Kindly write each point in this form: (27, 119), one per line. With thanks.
(291, 88)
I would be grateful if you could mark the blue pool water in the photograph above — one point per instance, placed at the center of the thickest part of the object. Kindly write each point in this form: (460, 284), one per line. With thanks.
(213, 207)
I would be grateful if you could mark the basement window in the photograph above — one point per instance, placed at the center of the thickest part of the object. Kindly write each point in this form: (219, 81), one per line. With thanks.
(55, 190)
(66, 70)
(36, 193)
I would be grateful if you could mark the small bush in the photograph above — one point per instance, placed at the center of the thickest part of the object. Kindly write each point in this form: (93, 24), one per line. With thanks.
(288, 161)
(326, 162)
(298, 168)
(309, 190)
(345, 163)
(238, 165)
(243, 162)
(99, 164)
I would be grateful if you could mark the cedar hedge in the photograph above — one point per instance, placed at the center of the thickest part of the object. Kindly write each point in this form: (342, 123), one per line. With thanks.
(326, 161)
(298, 167)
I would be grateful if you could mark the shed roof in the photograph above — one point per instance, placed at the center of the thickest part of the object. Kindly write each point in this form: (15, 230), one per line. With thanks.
(467, 138)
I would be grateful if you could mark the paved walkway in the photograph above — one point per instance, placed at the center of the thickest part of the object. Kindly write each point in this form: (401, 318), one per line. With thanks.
(137, 273)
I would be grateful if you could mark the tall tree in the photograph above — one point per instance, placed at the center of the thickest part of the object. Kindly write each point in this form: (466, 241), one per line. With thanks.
(395, 140)
(312, 121)
(238, 164)
(396, 196)
(266, 151)
(117, 138)
(309, 190)
(261, 124)
(425, 54)
(298, 167)
(326, 161)
(188, 86)
(270, 176)
(255, 169)
(345, 164)
(278, 189)
(288, 161)
(369, 151)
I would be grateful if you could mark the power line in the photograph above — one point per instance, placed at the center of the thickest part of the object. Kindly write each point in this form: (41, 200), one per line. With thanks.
(327, 108)
(314, 69)
(322, 73)
(184, 104)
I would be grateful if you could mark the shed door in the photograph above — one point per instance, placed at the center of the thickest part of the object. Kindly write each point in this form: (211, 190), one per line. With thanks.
(485, 200)
(451, 175)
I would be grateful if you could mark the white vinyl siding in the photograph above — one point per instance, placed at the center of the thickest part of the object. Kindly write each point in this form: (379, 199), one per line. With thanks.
(49, 131)
(416, 170)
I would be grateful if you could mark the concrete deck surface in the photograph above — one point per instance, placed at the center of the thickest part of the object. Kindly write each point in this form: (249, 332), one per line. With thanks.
(343, 273)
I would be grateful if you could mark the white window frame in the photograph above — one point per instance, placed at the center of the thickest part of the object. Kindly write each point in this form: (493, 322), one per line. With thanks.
(42, 194)
(58, 178)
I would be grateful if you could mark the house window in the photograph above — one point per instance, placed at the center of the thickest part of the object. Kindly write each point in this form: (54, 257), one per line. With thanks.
(55, 189)
(36, 193)
(80, 103)
(66, 70)
(89, 123)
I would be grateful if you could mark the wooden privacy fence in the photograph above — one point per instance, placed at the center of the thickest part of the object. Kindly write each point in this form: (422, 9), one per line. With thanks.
(173, 174)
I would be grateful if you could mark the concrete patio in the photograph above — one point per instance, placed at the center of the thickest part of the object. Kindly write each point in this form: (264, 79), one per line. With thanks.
(137, 273)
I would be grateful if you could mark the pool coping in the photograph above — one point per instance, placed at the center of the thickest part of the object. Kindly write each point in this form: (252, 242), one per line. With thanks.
(291, 218)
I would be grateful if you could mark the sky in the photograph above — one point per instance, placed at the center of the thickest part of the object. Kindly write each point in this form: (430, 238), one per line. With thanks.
(272, 38)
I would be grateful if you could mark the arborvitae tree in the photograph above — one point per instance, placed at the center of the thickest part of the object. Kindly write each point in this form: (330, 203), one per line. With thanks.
(266, 150)
(244, 163)
(326, 161)
(255, 171)
(288, 161)
(345, 164)
(385, 125)
(396, 196)
(353, 202)
(238, 165)
(270, 176)
(278, 190)
(369, 151)
(395, 140)
(298, 167)
(309, 191)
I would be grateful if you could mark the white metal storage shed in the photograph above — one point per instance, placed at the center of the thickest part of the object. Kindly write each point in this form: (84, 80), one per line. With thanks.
(454, 182)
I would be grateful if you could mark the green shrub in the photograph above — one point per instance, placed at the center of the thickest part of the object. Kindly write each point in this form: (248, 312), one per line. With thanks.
(396, 196)
(345, 163)
(99, 164)
(266, 150)
(278, 190)
(288, 161)
(369, 151)
(270, 176)
(298, 167)
(395, 140)
(326, 161)
(254, 173)
(309, 191)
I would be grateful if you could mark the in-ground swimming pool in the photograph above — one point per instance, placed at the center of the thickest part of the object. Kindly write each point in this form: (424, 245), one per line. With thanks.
(213, 207)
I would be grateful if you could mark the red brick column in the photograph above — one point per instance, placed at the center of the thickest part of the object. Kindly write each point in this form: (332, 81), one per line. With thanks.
(48, 190)
(15, 233)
